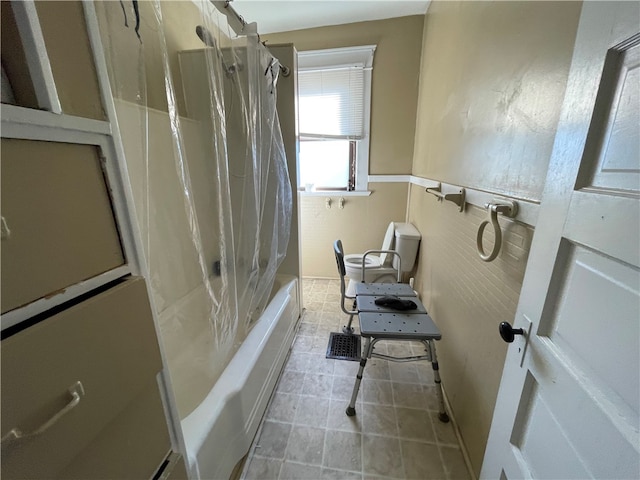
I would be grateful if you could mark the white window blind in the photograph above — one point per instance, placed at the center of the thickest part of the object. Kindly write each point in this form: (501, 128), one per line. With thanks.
(331, 103)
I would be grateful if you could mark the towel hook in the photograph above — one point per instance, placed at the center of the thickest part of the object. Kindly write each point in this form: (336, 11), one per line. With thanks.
(507, 208)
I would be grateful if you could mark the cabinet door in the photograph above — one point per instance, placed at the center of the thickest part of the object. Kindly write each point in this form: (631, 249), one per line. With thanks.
(117, 429)
(61, 228)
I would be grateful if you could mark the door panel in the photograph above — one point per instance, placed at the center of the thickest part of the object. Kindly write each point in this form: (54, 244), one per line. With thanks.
(616, 142)
(570, 407)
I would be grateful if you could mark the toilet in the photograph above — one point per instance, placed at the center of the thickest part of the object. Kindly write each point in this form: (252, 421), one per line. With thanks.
(403, 238)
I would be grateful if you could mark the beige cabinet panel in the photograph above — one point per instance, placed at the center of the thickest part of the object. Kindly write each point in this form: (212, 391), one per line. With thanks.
(58, 212)
(69, 51)
(118, 428)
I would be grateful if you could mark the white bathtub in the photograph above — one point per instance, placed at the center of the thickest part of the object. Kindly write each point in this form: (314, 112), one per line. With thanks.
(219, 431)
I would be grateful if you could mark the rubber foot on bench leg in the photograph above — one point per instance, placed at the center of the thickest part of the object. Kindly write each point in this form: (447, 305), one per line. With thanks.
(351, 411)
(443, 417)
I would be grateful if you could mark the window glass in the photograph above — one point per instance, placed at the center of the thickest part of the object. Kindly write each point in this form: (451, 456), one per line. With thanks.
(324, 164)
(334, 96)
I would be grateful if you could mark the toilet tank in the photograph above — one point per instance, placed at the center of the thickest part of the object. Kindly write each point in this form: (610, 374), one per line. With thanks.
(407, 242)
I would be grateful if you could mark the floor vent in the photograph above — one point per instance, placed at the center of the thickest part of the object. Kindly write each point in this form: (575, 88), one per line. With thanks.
(344, 347)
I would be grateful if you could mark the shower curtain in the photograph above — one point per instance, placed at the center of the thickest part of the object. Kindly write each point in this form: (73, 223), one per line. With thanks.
(207, 165)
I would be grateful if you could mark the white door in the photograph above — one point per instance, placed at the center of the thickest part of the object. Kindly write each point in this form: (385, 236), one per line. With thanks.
(569, 399)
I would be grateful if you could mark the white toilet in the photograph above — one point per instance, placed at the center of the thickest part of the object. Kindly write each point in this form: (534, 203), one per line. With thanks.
(403, 238)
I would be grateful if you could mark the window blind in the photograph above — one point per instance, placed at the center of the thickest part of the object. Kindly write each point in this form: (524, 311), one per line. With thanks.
(331, 103)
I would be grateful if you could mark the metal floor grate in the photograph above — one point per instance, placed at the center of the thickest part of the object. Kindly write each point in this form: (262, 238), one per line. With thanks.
(343, 346)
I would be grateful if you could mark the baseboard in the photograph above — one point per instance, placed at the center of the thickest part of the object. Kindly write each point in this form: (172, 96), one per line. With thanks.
(456, 429)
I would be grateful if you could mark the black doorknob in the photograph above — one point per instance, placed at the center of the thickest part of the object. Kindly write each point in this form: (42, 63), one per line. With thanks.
(508, 333)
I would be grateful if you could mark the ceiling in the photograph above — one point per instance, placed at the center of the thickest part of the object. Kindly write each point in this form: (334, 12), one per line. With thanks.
(279, 16)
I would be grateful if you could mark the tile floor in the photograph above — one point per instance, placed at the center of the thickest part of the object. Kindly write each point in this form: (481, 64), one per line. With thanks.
(395, 432)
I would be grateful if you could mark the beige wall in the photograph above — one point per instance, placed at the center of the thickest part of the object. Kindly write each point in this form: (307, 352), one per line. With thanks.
(394, 95)
(492, 83)
(361, 225)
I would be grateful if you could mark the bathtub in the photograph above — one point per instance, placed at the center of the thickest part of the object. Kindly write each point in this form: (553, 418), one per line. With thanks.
(219, 431)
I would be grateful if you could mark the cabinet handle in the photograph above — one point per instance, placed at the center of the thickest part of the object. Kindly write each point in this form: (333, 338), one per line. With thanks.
(76, 391)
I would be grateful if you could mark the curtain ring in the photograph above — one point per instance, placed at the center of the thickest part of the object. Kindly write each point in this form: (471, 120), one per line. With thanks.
(493, 218)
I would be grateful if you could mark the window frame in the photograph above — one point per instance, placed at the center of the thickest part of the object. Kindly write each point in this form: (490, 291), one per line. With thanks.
(339, 58)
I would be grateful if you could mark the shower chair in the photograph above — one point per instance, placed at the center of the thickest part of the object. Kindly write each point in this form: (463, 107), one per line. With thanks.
(384, 323)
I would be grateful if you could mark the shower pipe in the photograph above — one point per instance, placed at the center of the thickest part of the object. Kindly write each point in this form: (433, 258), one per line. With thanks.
(508, 209)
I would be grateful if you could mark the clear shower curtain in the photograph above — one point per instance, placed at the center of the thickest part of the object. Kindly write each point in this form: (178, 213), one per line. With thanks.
(208, 169)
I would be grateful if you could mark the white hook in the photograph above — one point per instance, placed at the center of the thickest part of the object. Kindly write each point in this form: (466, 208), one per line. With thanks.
(327, 203)
(507, 208)
(341, 203)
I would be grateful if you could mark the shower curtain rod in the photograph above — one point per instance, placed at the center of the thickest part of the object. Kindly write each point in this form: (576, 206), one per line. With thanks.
(237, 22)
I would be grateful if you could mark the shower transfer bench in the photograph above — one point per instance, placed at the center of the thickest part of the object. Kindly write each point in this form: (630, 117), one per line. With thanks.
(379, 322)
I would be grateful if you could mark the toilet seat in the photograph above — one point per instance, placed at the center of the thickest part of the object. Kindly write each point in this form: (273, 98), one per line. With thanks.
(355, 260)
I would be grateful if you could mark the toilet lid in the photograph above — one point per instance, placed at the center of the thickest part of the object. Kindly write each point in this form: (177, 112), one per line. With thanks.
(387, 244)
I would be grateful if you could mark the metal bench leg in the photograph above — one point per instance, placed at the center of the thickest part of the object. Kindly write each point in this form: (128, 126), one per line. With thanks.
(351, 409)
(442, 415)
(348, 329)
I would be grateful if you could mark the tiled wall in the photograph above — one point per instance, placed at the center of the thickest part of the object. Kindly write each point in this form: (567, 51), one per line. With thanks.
(468, 298)
(361, 225)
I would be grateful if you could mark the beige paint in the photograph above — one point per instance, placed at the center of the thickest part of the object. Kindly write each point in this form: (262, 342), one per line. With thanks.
(361, 225)
(118, 429)
(492, 82)
(14, 62)
(56, 205)
(394, 84)
(71, 58)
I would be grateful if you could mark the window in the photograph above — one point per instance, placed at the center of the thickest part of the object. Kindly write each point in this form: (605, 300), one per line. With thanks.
(334, 90)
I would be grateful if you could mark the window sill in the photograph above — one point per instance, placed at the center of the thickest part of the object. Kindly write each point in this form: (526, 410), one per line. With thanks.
(335, 193)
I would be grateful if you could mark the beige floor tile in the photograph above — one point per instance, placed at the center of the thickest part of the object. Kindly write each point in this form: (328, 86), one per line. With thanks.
(283, 407)
(379, 419)
(317, 385)
(343, 451)
(273, 439)
(263, 469)
(298, 362)
(382, 456)
(307, 329)
(403, 372)
(297, 471)
(312, 411)
(306, 445)
(377, 391)
(444, 432)
(410, 395)
(320, 364)
(421, 461)
(377, 368)
(343, 388)
(290, 382)
(415, 424)
(346, 368)
(454, 463)
(339, 420)
(302, 343)
(331, 474)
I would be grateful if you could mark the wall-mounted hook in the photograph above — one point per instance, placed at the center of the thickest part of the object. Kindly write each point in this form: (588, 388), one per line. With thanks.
(458, 198)
(341, 203)
(327, 203)
(508, 209)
